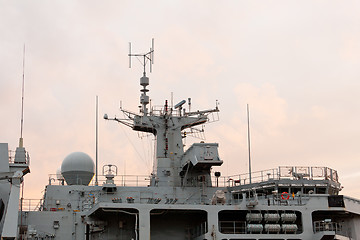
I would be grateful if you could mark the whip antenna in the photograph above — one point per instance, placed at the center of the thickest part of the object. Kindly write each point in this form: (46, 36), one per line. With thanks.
(151, 54)
(129, 54)
(22, 102)
(248, 125)
(96, 141)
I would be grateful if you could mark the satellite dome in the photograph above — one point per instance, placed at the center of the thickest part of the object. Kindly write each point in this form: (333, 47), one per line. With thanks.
(77, 169)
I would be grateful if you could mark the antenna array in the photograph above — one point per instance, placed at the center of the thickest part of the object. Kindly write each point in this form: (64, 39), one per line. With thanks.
(144, 80)
(146, 57)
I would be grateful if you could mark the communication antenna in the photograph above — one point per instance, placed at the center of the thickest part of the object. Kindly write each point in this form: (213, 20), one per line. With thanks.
(144, 58)
(96, 142)
(248, 125)
(21, 144)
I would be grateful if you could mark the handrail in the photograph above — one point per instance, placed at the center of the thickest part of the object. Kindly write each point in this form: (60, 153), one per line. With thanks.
(283, 172)
(232, 227)
(30, 204)
(352, 199)
(12, 157)
(119, 180)
(321, 226)
(268, 175)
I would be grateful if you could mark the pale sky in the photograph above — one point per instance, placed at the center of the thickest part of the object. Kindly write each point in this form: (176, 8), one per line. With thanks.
(296, 63)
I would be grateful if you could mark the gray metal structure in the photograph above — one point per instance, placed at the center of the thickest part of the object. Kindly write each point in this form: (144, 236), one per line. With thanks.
(183, 199)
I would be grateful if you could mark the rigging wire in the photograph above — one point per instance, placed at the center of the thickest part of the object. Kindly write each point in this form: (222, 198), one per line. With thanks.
(142, 159)
(151, 158)
(144, 151)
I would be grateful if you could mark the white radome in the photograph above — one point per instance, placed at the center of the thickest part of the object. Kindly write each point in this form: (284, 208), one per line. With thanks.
(77, 168)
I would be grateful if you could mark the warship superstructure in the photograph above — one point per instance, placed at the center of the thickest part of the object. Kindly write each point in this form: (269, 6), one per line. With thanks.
(183, 199)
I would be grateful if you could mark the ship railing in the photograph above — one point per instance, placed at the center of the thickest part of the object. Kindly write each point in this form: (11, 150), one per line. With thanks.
(119, 180)
(282, 172)
(256, 177)
(125, 180)
(308, 172)
(12, 157)
(28, 205)
(274, 199)
(352, 199)
(288, 200)
(232, 227)
(324, 225)
(160, 110)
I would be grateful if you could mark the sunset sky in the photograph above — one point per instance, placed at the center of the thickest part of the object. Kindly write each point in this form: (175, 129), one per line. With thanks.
(296, 63)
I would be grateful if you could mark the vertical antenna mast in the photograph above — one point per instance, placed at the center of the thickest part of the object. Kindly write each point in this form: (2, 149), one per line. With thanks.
(152, 50)
(248, 123)
(146, 57)
(96, 144)
(144, 80)
(129, 54)
(22, 102)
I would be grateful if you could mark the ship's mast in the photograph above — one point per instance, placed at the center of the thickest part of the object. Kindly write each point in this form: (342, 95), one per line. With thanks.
(167, 125)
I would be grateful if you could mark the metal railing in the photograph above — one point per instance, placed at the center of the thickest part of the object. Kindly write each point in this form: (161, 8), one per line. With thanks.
(232, 227)
(30, 204)
(125, 180)
(119, 180)
(322, 226)
(282, 172)
(160, 110)
(243, 179)
(352, 199)
(12, 157)
(274, 199)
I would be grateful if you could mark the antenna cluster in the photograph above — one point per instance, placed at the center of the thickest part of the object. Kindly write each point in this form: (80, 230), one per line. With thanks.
(144, 80)
(146, 57)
